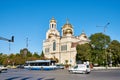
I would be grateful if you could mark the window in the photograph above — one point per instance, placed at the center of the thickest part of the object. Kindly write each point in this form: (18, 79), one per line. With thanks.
(63, 47)
(52, 25)
(54, 46)
(46, 50)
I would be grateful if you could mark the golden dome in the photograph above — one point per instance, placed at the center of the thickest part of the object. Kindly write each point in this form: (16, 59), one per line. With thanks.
(83, 34)
(67, 26)
(68, 31)
(53, 20)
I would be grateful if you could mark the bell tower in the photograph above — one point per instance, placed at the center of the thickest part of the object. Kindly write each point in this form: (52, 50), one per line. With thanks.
(52, 32)
(52, 24)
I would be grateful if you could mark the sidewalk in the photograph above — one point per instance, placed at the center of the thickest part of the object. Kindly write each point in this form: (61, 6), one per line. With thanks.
(102, 68)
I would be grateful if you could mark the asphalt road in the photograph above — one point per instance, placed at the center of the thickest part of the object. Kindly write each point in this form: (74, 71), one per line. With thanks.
(22, 74)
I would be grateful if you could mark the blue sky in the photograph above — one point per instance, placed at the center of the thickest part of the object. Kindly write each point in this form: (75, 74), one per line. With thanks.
(30, 19)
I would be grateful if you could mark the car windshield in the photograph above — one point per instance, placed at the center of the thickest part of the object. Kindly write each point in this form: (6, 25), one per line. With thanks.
(75, 67)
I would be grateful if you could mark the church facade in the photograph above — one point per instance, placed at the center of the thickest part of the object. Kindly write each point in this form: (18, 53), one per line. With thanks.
(62, 47)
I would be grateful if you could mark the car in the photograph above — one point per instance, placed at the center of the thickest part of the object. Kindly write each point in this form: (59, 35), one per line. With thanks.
(59, 66)
(2, 68)
(80, 68)
(20, 66)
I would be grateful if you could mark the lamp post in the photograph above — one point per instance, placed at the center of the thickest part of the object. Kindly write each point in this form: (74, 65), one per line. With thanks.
(105, 42)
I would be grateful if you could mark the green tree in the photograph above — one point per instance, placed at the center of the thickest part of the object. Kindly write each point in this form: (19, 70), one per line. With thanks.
(99, 42)
(5, 60)
(42, 56)
(36, 55)
(19, 60)
(1, 60)
(83, 52)
(12, 59)
(114, 51)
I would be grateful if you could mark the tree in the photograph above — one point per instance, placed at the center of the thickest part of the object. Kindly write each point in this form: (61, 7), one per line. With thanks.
(5, 59)
(42, 56)
(36, 55)
(114, 50)
(100, 42)
(83, 52)
(1, 61)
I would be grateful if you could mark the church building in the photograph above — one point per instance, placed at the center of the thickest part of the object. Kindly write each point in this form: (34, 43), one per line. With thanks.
(62, 46)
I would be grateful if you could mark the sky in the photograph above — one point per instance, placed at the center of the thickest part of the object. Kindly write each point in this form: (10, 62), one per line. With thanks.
(30, 19)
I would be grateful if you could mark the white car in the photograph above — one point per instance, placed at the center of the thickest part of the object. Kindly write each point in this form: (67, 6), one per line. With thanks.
(80, 68)
(2, 68)
(59, 66)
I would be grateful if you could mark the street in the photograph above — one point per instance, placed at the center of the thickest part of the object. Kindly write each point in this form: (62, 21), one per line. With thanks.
(22, 74)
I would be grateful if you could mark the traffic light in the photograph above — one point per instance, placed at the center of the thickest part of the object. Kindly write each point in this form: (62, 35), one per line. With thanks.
(12, 40)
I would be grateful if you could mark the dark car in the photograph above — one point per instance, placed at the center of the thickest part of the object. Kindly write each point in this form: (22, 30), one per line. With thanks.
(20, 66)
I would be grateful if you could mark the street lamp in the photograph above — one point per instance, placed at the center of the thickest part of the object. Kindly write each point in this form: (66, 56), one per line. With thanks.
(105, 42)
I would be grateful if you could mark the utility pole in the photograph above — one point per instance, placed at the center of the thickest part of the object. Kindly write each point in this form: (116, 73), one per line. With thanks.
(105, 42)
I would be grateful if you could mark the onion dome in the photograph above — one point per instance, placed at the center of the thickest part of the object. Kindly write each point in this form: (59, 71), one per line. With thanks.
(67, 25)
(67, 29)
(53, 20)
(83, 36)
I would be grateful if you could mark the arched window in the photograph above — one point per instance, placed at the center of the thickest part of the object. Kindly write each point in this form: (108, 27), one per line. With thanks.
(54, 46)
(52, 26)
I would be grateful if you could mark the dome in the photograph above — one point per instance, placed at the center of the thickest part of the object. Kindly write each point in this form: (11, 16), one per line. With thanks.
(83, 36)
(68, 31)
(67, 26)
(53, 20)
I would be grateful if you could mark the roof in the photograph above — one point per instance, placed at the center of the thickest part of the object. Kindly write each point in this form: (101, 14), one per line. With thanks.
(36, 61)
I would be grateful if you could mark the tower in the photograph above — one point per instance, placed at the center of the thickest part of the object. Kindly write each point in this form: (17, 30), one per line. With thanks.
(52, 24)
(52, 32)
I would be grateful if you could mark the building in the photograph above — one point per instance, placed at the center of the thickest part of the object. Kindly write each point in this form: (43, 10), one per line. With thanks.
(62, 47)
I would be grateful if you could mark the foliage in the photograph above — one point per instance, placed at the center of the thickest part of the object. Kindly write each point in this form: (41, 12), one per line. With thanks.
(99, 42)
(42, 56)
(18, 58)
(83, 52)
(114, 51)
(99, 50)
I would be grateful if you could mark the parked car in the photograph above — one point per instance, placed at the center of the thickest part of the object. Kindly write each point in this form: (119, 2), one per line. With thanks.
(20, 66)
(59, 66)
(2, 68)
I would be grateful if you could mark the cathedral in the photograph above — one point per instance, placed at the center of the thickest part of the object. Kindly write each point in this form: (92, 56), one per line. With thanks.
(62, 46)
